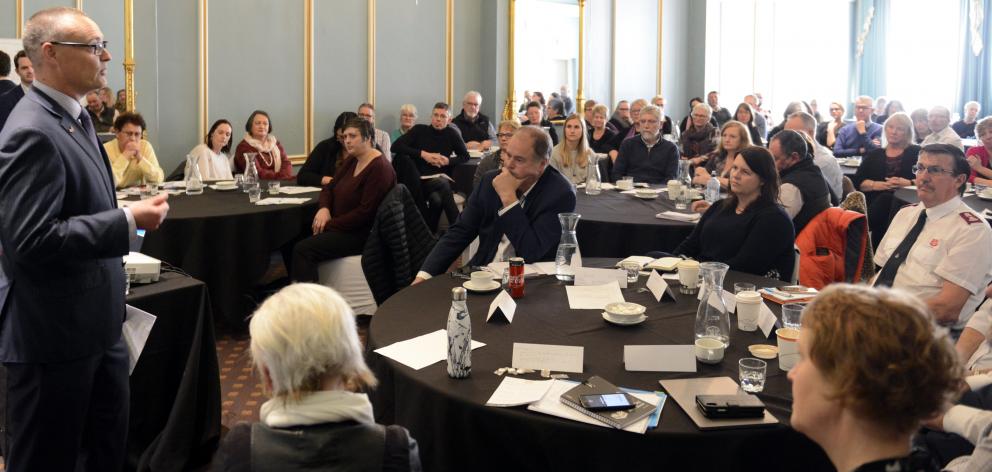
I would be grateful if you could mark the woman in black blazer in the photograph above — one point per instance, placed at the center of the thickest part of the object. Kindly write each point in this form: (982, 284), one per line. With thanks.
(885, 169)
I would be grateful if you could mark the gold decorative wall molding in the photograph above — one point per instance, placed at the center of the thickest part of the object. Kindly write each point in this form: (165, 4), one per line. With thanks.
(308, 75)
(202, 83)
(79, 5)
(510, 108)
(129, 54)
(580, 87)
(371, 53)
(661, 4)
(449, 51)
(18, 18)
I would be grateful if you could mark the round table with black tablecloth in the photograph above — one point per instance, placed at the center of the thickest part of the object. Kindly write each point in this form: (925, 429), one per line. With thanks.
(456, 431)
(225, 241)
(619, 225)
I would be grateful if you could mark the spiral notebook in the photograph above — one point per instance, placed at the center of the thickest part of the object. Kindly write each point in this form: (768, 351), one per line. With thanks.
(597, 386)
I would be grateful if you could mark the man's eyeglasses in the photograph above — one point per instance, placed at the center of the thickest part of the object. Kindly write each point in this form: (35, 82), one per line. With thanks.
(932, 170)
(97, 49)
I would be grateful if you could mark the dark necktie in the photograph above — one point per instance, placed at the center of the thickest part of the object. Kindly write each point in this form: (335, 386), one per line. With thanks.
(888, 274)
(87, 127)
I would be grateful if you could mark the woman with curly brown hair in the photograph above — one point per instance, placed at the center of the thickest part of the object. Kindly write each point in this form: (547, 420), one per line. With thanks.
(872, 367)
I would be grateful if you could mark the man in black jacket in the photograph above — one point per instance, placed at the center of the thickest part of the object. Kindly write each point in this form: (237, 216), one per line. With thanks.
(477, 131)
(803, 192)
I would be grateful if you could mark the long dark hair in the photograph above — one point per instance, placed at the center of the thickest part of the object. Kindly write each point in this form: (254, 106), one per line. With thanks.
(762, 164)
(341, 120)
(206, 139)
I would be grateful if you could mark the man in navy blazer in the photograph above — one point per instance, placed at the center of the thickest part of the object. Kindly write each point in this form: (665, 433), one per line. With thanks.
(10, 97)
(521, 202)
(61, 276)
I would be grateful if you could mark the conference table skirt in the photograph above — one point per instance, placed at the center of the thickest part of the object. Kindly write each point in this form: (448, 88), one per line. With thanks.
(456, 431)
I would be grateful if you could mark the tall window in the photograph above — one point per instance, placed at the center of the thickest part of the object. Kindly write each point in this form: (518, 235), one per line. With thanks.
(788, 50)
(923, 55)
(546, 45)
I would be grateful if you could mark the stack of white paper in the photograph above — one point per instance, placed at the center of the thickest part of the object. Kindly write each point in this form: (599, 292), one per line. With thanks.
(593, 297)
(293, 190)
(515, 392)
(282, 201)
(674, 215)
(421, 351)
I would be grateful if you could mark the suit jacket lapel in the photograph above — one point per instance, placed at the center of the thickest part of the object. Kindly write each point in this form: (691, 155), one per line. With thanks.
(97, 157)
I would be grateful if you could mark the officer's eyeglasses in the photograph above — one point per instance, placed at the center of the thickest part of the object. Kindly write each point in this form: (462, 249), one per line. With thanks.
(932, 170)
(97, 49)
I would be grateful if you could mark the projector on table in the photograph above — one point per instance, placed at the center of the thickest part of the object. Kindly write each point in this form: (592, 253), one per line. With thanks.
(141, 268)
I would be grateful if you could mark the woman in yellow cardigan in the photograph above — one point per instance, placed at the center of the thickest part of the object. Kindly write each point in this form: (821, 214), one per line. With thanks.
(132, 158)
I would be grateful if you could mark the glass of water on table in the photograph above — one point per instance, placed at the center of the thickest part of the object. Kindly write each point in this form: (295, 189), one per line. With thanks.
(752, 374)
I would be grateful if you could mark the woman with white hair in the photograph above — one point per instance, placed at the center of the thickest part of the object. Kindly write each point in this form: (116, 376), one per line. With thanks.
(305, 347)
(700, 136)
(408, 118)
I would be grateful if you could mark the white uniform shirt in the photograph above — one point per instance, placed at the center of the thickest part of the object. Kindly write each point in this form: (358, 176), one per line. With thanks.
(824, 158)
(955, 245)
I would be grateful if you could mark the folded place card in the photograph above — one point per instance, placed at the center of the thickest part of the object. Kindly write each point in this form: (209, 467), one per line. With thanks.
(658, 286)
(502, 306)
(548, 356)
(592, 276)
(659, 358)
(766, 319)
(728, 299)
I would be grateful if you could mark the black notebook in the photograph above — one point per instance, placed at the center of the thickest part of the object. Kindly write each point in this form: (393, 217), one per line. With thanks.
(597, 386)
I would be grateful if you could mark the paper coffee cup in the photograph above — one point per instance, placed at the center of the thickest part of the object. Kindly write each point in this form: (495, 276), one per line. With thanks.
(674, 189)
(688, 273)
(788, 347)
(748, 308)
(709, 350)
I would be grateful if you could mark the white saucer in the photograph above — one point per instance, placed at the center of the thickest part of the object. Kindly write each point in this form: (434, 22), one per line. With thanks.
(635, 321)
(493, 285)
(647, 197)
(984, 197)
(851, 164)
(224, 189)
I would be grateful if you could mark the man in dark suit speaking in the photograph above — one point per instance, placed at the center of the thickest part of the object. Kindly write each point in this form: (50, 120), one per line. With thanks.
(514, 211)
(61, 274)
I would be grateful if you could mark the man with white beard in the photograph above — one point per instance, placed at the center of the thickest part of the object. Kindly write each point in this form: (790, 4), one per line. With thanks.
(646, 157)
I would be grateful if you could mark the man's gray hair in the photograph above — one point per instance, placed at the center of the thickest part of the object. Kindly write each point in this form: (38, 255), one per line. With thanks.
(809, 122)
(940, 109)
(652, 110)
(540, 141)
(45, 26)
(471, 93)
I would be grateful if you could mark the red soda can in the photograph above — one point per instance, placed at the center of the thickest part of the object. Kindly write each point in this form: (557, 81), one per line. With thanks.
(517, 277)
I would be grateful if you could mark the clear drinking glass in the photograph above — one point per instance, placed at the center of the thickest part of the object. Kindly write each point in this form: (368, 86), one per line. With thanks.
(254, 192)
(274, 187)
(752, 374)
(633, 271)
(743, 287)
(792, 315)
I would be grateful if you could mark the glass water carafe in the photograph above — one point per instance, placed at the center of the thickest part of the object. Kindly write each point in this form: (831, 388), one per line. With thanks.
(593, 179)
(712, 319)
(568, 247)
(194, 180)
(251, 173)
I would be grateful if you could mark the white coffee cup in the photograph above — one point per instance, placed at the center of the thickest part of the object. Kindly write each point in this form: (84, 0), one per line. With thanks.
(709, 350)
(481, 278)
(788, 347)
(748, 308)
(689, 273)
(674, 189)
(625, 183)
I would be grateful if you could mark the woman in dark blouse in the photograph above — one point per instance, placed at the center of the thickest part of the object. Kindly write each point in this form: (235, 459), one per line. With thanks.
(327, 156)
(347, 205)
(745, 114)
(747, 230)
(885, 169)
(601, 139)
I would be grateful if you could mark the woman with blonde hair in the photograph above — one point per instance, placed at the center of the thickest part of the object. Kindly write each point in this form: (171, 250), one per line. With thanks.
(571, 155)
(408, 118)
(494, 159)
(734, 136)
(872, 367)
(306, 350)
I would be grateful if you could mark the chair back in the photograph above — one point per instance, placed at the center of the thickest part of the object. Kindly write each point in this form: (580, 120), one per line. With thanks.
(397, 245)
(856, 201)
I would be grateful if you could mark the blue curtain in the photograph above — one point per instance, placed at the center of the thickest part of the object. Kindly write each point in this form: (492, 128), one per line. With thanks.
(976, 71)
(867, 76)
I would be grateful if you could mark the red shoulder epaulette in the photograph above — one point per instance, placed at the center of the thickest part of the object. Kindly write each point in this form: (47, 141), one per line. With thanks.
(970, 218)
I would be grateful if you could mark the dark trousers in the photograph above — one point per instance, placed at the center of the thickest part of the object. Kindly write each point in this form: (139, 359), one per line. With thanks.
(68, 416)
(309, 253)
(945, 447)
(439, 197)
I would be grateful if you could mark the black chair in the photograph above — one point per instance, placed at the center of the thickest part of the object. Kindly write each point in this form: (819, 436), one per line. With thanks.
(397, 245)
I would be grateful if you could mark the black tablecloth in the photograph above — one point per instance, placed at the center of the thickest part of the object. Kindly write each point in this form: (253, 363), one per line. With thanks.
(457, 431)
(225, 241)
(618, 225)
(175, 387)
